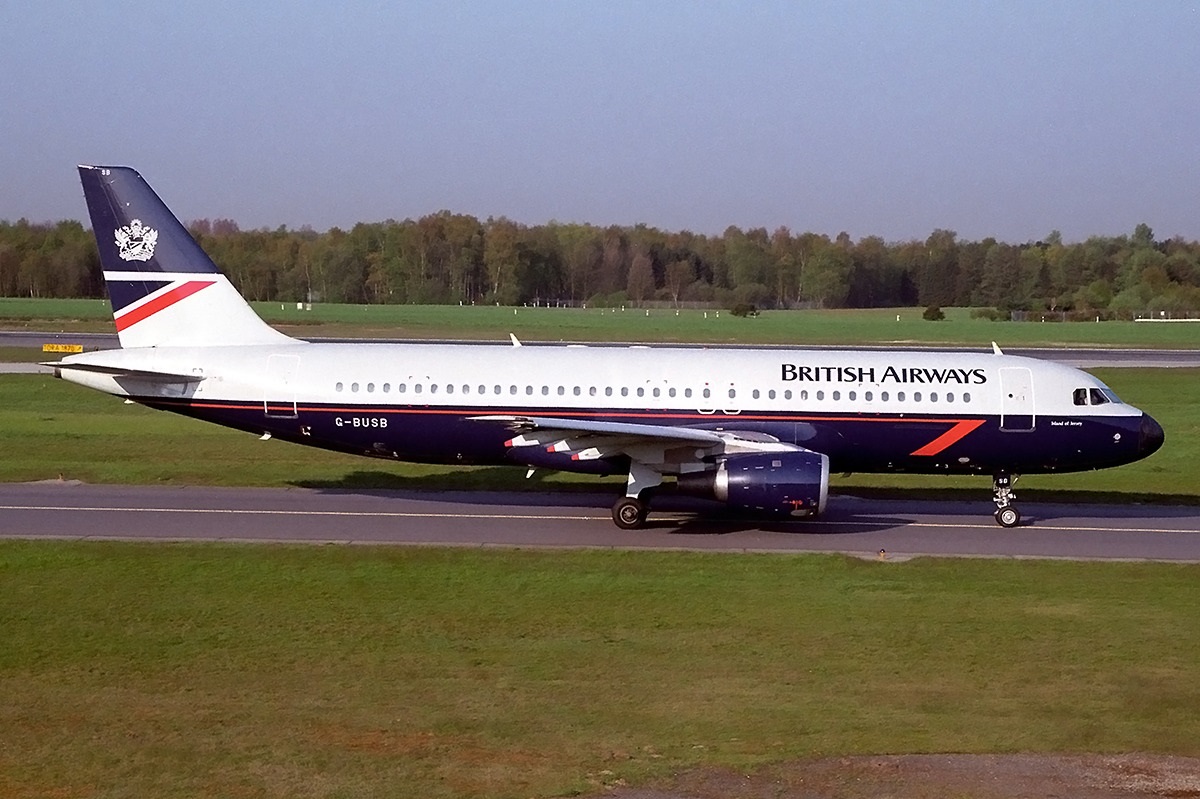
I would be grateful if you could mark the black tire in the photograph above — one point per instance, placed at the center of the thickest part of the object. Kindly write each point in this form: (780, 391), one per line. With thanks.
(629, 513)
(1008, 517)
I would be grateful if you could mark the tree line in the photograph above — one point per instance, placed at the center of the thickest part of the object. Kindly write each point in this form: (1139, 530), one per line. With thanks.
(456, 258)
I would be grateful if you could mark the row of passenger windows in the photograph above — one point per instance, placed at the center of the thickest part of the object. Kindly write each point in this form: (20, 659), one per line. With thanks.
(624, 391)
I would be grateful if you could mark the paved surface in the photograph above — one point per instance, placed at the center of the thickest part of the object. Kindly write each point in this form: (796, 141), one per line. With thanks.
(1083, 358)
(852, 525)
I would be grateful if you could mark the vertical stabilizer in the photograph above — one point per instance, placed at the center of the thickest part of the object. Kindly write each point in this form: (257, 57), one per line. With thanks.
(165, 291)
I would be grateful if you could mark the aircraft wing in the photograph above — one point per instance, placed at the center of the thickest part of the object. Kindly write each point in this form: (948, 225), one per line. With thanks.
(120, 371)
(588, 439)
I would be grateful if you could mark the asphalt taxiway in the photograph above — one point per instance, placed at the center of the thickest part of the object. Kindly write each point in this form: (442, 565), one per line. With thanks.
(901, 528)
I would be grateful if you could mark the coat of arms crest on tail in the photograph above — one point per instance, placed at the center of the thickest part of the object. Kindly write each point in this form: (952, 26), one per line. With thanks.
(135, 241)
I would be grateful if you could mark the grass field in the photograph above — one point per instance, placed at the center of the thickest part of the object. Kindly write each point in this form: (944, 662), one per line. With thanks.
(849, 327)
(59, 429)
(205, 670)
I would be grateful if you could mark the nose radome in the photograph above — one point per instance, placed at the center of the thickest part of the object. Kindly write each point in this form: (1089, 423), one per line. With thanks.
(1150, 436)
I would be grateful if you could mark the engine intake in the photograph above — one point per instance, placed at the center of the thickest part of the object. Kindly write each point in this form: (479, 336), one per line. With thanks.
(777, 483)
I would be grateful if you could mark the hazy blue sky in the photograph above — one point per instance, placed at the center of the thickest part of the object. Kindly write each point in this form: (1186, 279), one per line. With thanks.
(988, 118)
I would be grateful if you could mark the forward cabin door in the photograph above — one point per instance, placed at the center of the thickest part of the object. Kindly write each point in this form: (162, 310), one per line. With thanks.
(1016, 402)
(279, 389)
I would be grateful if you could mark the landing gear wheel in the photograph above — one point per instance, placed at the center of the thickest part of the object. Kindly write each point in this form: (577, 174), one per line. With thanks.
(629, 513)
(1008, 517)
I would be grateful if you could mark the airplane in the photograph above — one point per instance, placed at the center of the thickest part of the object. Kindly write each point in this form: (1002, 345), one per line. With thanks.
(759, 430)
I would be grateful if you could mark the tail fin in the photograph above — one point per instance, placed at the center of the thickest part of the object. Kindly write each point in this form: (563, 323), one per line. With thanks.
(165, 291)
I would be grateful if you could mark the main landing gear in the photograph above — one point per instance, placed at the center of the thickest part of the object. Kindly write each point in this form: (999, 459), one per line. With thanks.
(629, 512)
(1007, 514)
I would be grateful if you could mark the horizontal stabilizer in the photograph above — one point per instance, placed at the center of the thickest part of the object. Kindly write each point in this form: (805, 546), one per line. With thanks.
(120, 371)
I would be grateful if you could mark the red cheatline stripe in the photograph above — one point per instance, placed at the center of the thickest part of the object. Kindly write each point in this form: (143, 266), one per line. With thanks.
(959, 431)
(162, 301)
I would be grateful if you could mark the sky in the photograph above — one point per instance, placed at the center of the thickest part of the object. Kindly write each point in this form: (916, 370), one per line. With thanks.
(1007, 119)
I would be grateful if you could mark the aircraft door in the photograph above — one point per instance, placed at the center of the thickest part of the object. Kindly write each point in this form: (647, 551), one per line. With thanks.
(1016, 399)
(279, 389)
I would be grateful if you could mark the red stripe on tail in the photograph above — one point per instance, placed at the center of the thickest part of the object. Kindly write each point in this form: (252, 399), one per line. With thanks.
(159, 303)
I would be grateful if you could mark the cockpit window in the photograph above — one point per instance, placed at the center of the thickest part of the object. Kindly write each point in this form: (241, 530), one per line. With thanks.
(1094, 396)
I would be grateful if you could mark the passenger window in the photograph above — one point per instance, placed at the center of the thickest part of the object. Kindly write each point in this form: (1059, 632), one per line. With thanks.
(608, 391)
(562, 391)
(370, 388)
(450, 388)
(512, 389)
(656, 392)
(641, 392)
(868, 396)
(900, 396)
(732, 393)
(624, 391)
(387, 388)
(1081, 396)
(707, 393)
(670, 392)
(577, 391)
(837, 395)
(417, 388)
(804, 394)
(754, 393)
(354, 387)
(771, 394)
(933, 396)
(966, 396)
(338, 387)
(433, 388)
(1098, 397)
(402, 388)
(592, 391)
(529, 391)
(949, 397)
(687, 392)
(916, 396)
(853, 396)
(820, 395)
(545, 391)
(883, 396)
(787, 395)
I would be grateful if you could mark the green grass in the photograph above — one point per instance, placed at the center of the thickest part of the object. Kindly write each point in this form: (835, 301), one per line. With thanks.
(133, 670)
(848, 327)
(58, 429)
(26, 355)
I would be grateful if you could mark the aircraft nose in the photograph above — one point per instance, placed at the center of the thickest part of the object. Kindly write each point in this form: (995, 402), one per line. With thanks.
(1150, 436)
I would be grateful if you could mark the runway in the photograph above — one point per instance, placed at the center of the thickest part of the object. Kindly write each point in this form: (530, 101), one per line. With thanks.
(863, 527)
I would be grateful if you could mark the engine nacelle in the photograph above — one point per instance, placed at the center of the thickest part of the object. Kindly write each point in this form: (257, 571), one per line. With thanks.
(788, 483)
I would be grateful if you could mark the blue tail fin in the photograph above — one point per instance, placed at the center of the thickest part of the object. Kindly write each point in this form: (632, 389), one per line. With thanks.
(164, 289)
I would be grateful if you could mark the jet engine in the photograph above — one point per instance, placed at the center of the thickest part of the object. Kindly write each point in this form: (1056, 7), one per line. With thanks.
(777, 483)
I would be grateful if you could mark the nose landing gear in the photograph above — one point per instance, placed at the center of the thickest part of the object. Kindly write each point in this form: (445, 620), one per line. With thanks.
(1007, 514)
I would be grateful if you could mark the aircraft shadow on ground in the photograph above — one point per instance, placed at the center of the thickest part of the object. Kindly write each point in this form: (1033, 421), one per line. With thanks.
(672, 513)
